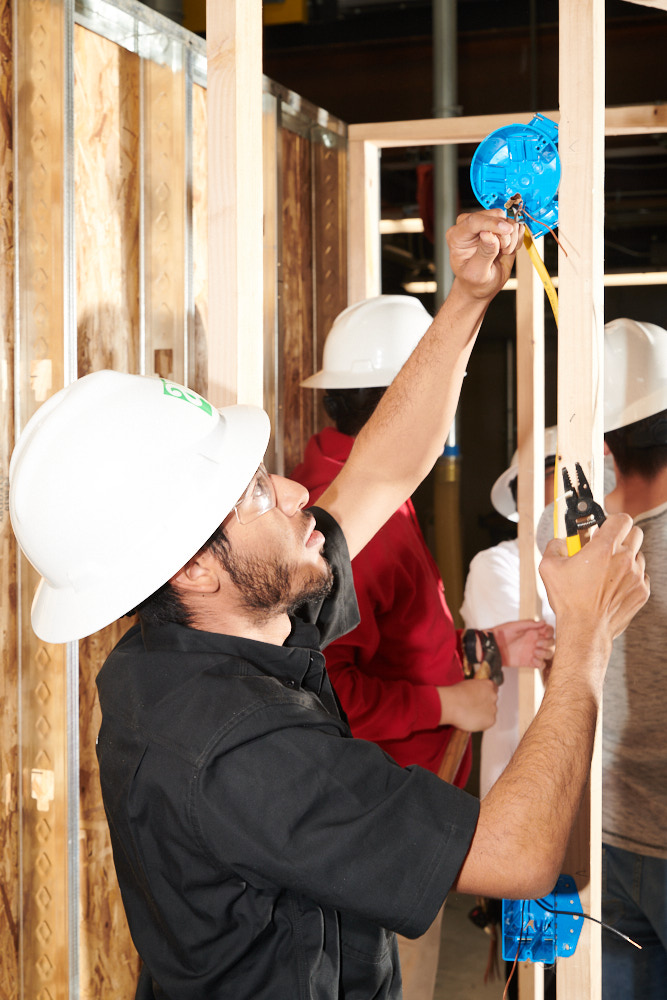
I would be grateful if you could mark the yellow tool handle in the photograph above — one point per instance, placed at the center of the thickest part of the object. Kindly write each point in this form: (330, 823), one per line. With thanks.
(454, 752)
(573, 545)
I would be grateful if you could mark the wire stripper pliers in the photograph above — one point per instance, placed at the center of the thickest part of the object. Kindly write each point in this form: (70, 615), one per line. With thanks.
(582, 513)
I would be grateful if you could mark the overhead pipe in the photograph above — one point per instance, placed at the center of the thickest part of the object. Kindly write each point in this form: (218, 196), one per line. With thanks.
(447, 486)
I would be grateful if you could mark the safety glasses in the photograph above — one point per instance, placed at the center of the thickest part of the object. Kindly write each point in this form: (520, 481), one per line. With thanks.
(259, 497)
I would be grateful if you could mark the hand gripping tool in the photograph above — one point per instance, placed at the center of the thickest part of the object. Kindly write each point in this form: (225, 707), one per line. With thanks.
(583, 513)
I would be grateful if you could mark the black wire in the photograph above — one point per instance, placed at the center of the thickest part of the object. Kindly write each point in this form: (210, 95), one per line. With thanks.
(587, 916)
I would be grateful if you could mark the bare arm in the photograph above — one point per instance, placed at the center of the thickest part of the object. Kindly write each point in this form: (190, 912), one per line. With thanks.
(526, 818)
(401, 442)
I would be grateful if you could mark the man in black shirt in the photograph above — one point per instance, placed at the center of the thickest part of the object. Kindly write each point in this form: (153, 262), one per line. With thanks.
(261, 851)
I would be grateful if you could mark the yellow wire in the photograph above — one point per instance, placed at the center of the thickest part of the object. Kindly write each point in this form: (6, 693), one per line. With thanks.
(552, 295)
(538, 264)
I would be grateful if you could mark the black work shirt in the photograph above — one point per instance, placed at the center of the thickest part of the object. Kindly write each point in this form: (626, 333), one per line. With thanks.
(262, 852)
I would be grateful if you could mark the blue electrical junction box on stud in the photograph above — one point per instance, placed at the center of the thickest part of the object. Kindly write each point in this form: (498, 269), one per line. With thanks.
(541, 930)
(520, 160)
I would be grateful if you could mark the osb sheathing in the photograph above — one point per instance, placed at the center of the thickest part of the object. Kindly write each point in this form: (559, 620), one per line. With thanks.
(313, 274)
(9, 792)
(107, 165)
(106, 138)
(296, 294)
(39, 140)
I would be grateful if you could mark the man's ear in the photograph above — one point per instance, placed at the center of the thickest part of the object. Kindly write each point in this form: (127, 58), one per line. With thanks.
(201, 575)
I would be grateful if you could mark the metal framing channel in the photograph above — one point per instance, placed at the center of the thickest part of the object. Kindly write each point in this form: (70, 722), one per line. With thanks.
(188, 276)
(70, 371)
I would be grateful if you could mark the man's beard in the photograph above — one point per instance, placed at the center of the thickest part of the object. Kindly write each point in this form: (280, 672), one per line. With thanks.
(268, 588)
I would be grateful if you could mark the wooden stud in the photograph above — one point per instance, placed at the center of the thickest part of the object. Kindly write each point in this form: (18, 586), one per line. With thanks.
(363, 259)
(530, 501)
(633, 120)
(234, 83)
(580, 385)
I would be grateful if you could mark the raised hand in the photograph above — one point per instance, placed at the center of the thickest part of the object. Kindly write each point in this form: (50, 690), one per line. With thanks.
(482, 246)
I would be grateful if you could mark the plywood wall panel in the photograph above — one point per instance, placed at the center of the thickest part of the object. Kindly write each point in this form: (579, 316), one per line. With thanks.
(107, 162)
(296, 296)
(107, 127)
(9, 749)
(40, 128)
(164, 229)
(330, 243)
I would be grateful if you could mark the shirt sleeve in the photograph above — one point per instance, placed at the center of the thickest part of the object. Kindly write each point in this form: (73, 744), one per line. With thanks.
(491, 595)
(338, 821)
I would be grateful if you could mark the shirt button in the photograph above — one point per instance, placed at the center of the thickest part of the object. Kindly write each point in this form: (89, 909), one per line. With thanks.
(290, 684)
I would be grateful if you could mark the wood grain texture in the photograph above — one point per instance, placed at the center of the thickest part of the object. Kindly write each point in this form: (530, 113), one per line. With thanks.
(363, 261)
(164, 219)
(234, 84)
(296, 296)
(39, 135)
(9, 707)
(580, 367)
(106, 137)
(330, 246)
(634, 120)
(530, 501)
(107, 128)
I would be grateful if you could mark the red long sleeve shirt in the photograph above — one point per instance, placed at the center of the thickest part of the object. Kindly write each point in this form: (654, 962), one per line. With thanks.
(386, 670)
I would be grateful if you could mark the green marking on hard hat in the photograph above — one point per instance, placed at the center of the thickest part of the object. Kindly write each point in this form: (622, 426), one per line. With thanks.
(180, 392)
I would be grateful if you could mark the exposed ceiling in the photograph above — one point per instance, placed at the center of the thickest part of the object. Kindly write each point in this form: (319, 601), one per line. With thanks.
(371, 60)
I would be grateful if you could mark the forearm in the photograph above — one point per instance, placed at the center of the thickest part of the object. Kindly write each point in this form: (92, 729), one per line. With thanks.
(526, 818)
(408, 430)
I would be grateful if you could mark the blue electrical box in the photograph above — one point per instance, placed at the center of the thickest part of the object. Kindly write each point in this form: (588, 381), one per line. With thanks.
(541, 930)
(520, 160)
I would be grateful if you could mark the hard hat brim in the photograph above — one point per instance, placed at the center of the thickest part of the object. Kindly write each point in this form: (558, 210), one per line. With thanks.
(373, 378)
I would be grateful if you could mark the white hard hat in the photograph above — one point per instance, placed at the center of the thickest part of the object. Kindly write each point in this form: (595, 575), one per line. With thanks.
(370, 342)
(635, 372)
(501, 494)
(116, 481)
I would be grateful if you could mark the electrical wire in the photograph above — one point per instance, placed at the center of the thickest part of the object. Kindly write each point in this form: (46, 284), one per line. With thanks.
(516, 957)
(587, 916)
(539, 266)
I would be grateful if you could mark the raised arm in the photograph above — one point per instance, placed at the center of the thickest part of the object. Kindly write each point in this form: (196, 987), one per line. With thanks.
(525, 819)
(399, 445)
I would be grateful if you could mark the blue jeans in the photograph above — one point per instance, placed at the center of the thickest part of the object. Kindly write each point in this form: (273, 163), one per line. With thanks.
(634, 900)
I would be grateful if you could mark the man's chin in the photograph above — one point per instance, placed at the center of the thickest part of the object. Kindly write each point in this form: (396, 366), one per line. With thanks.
(317, 586)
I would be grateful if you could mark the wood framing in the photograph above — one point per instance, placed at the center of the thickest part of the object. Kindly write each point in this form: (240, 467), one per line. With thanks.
(580, 388)
(235, 242)
(530, 496)
(583, 124)
(634, 120)
(363, 256)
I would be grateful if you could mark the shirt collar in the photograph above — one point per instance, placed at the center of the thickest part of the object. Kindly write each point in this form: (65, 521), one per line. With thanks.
(298, 660)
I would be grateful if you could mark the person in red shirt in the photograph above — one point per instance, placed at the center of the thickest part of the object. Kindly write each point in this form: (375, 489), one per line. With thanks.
(399, 673)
